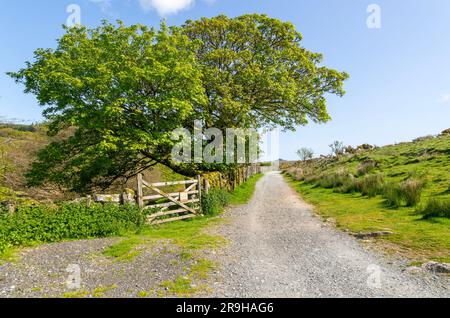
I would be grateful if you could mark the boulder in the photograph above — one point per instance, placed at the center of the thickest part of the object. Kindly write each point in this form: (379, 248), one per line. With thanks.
(435, 267)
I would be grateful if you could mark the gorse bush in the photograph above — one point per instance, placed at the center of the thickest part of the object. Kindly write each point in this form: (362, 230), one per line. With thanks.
(214, 202)
(435, 208)
(40, 224)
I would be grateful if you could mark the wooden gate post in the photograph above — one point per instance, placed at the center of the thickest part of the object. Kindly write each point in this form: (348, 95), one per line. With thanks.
(140, 192)
(88, 201)
(199, 180)
(207, 185)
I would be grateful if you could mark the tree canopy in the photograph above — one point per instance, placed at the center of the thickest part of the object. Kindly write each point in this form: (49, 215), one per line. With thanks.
(256, 73)
(124, 89)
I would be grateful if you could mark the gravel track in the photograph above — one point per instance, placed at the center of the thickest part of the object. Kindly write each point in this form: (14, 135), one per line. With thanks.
(279, 248)
(42, 271)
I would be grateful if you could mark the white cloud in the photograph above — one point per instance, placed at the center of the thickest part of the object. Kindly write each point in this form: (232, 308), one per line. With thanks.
(166, 7)
(104, 5)
(444, 99)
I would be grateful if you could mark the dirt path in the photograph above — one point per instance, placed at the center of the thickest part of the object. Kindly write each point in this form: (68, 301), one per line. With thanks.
(279, 248)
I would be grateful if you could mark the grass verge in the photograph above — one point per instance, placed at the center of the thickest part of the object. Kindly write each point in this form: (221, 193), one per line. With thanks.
(243, 193)
(413, 236)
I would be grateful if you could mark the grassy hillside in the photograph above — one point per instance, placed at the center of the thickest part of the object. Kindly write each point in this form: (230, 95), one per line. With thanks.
(386, 189)
(19, 145)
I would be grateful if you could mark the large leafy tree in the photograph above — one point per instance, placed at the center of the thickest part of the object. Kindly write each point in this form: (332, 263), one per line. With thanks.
(123, 90)
(257, 74)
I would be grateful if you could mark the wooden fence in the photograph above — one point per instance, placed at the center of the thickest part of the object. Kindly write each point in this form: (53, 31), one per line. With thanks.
(168, 207)
(174, 205)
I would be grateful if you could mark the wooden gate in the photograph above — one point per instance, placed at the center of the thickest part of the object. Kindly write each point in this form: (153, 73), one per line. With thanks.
(170, 206)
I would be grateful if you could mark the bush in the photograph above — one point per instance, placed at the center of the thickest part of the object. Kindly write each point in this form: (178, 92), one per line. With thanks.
(435, 209)
(41, 224)
(412, 191)
(408, 192)
(393, 194)
(371, 185)
(334, 180)
(349, 186)
(215, 201)
(365, 168)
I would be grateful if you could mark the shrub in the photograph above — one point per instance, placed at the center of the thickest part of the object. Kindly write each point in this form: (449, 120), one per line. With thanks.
(371, 185)
(349, 186)
(41, 224)
(333, 180)
(435, 209)
(365, 168)
(215, 201)
(393, 194)
(412, 191)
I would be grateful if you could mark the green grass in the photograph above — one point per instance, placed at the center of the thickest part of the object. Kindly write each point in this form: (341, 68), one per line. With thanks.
(124, 250)
(413, 173)
(243, 193)
(413, 236)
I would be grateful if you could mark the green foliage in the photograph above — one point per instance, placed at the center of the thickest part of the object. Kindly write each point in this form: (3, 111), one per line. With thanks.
(393, 194)
(215, 201)
(435, 208)
(371, 185)
(412, 191)
(256, 73)
(333, 180)
(365, 168)
(125, 89)
(41, 224)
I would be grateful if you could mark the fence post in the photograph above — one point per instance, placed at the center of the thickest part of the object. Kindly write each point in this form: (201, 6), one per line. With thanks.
(221, 180)
(199, 180)
(140, 192)
(11, 208)
(207, 185)
(200, 193)
(88, 201)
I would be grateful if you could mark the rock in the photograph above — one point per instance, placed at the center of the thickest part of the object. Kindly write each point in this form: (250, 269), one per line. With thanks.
(442, 268)
(363, 236)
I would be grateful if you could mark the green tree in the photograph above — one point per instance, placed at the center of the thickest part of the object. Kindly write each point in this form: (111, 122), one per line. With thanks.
(123, 90)
(257, 74)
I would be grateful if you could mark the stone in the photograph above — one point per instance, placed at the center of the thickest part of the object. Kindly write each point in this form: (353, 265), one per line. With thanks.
(369, 235)
(441, 268)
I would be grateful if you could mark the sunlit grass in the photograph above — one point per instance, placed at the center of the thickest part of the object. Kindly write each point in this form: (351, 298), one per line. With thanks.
(413, 236)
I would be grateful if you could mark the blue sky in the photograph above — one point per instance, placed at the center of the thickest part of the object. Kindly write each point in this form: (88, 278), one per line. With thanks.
(400, 74)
